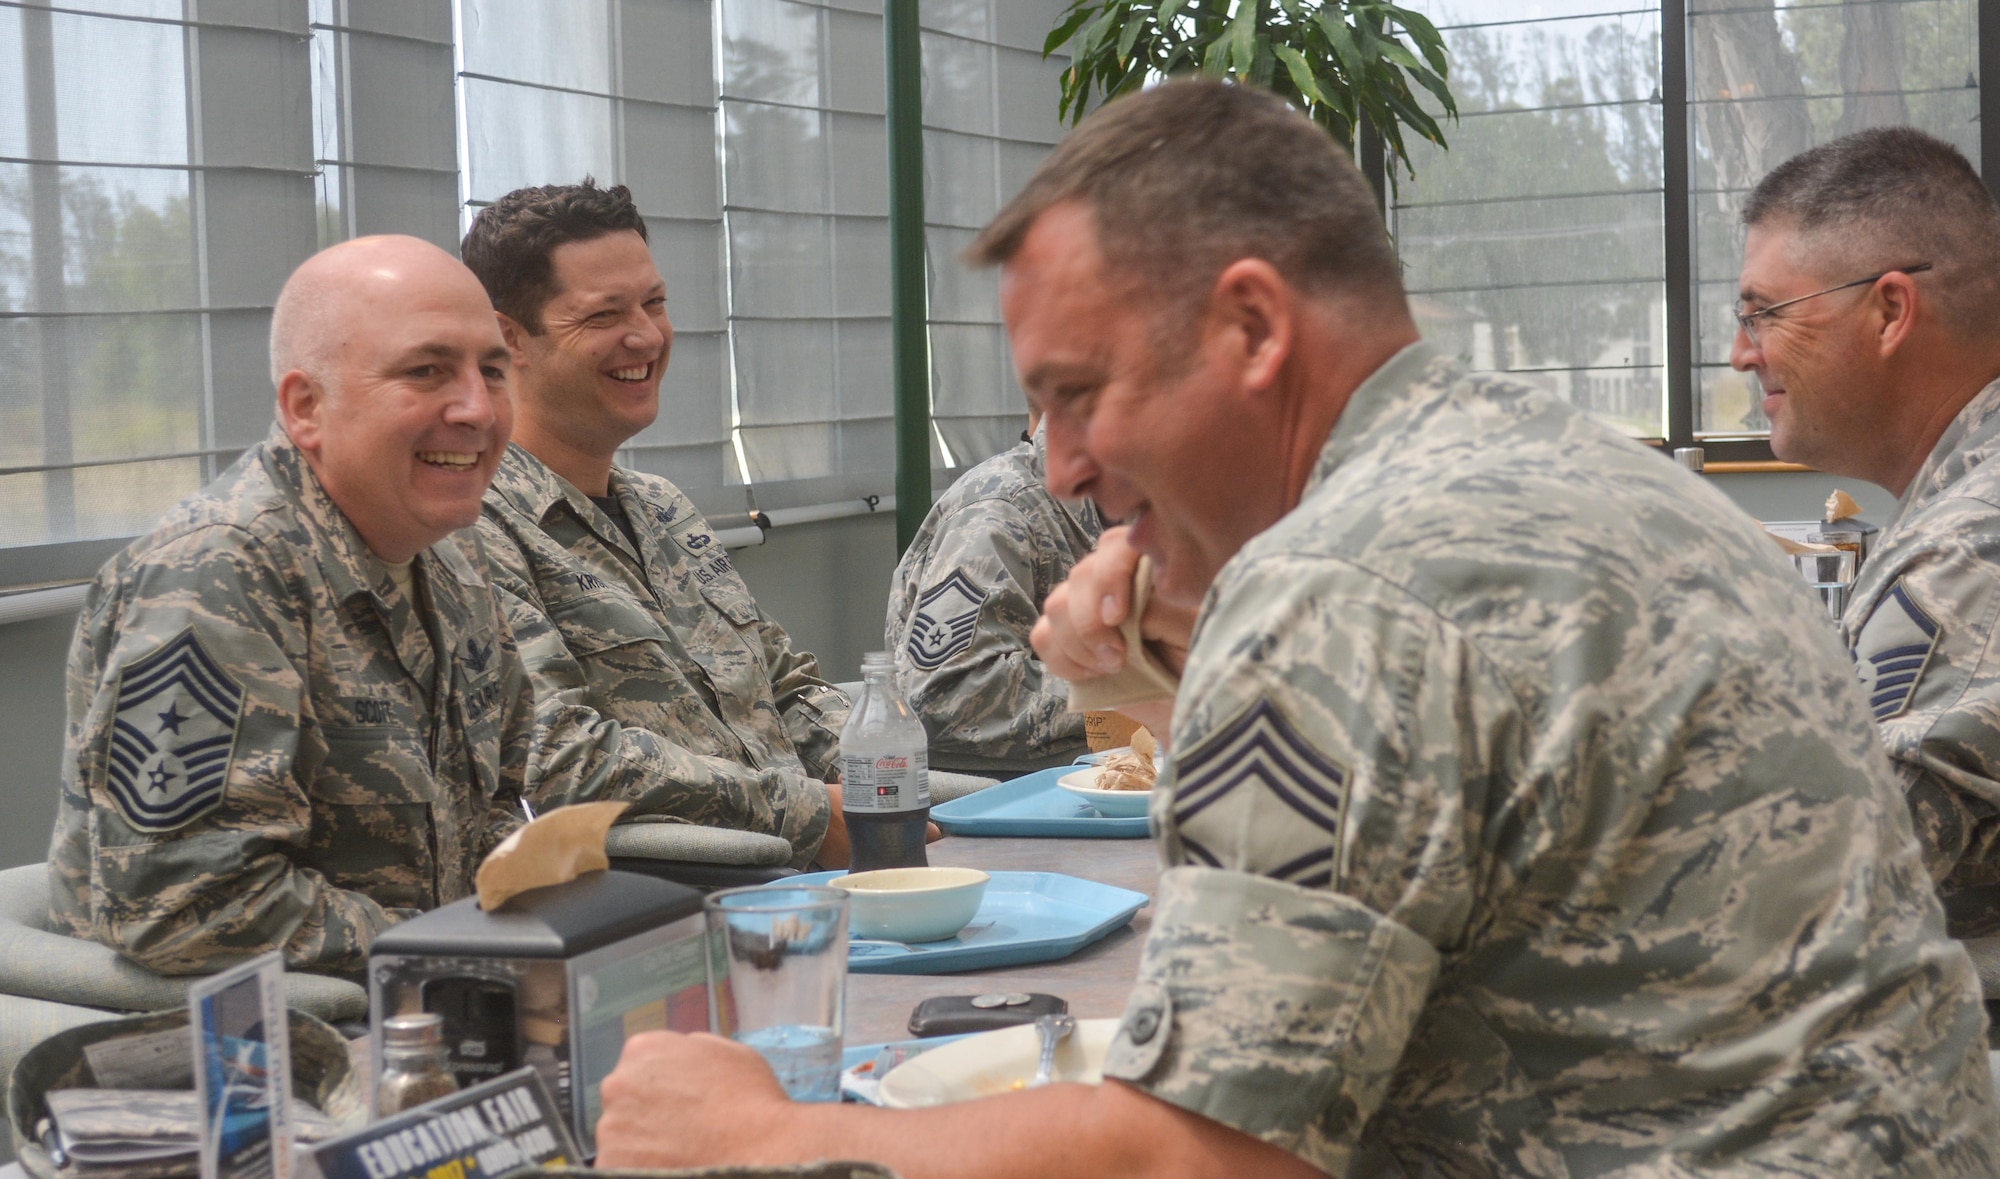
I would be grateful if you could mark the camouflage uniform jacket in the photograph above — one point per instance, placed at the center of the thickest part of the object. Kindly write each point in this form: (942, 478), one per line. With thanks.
(1523, 819)
(1921, 623)
(710, 714)
(264, 749)
(961, 605)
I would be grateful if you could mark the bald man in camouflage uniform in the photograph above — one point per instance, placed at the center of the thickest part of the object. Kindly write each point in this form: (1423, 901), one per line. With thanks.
(293, 723)
(1893, 376)
(625, 604)
(1521, 817)
(961, 604)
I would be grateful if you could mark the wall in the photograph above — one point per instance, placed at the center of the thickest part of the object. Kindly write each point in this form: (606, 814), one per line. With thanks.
(827, 583)
(31, 734)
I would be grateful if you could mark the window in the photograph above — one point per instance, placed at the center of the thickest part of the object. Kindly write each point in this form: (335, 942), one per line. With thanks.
(1583, 229)
(551, 91)
(164, 164)
(156, 185)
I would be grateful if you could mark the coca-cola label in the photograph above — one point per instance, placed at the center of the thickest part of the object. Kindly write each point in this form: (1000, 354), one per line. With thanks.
(891, 782)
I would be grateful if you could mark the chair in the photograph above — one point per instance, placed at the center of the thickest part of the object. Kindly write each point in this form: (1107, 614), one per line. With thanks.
(706, 858)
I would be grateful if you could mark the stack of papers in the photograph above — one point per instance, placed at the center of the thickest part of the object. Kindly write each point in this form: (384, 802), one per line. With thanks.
(141, 1132)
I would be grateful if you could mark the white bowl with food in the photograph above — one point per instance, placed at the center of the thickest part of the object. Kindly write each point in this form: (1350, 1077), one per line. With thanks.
(995, 1062)
(1112, 804)
(911, 904)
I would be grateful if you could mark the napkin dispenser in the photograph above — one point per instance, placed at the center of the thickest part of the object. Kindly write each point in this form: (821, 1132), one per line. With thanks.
(556, 978)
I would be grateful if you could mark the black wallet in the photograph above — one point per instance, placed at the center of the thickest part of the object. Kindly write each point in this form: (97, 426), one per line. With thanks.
(951, 1015)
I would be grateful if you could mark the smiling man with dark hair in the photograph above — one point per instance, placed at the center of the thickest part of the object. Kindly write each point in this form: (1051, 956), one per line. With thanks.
(625, 605)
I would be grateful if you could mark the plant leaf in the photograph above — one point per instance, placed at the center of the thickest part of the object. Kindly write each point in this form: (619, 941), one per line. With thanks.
(1135, 24)
(1300, 71)
(1079, 12)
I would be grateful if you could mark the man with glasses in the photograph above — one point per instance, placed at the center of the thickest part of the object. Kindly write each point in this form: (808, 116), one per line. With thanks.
(1891, 377)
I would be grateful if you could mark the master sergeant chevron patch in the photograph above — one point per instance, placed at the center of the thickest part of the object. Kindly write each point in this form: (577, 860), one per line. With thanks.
(947, 616)
(1892, 651)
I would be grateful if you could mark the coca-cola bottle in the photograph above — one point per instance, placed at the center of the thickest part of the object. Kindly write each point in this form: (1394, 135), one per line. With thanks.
(884, 773)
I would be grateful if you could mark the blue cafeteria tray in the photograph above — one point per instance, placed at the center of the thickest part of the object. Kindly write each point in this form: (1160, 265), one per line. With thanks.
(1024, 917)
(1033, 805)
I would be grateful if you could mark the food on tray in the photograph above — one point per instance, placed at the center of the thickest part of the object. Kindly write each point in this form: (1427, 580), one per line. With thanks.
(1133, 770)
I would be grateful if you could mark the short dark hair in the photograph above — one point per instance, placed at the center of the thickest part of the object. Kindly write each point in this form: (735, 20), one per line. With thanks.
(511, 240)
(1894, 196)
(1187, 177)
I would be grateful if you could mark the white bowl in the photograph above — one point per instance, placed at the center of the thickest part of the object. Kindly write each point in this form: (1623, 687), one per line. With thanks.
(911, 904)
(1112, 804)
(995, 1062)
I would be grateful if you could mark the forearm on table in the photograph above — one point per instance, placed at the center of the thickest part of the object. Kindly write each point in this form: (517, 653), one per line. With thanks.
(197, 926)
(1092, 1132)
(584, 756)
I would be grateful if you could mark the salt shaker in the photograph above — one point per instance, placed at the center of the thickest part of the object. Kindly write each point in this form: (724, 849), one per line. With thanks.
(413, 1063)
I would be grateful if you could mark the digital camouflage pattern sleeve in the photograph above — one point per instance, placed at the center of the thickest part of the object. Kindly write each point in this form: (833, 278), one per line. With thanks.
(961, 604)
(660, 777)
(1921, 622)
(1522, 819)
(651, 663)
(265, 751)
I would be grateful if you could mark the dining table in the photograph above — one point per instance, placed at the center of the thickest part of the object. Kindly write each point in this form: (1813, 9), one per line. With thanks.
(1095, 979)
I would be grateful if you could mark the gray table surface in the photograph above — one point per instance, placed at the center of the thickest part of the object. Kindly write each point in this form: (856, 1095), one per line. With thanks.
(1095, 979)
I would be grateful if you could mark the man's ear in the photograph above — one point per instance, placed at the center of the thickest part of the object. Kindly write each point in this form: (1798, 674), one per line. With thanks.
(516, 337)
(302, 410)
(1254, 300)
(1897, 305)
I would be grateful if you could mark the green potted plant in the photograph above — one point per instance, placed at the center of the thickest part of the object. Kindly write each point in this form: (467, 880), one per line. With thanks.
(1349, 64)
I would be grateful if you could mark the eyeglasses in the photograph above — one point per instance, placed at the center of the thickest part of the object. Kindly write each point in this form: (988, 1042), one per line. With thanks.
(1747, 320)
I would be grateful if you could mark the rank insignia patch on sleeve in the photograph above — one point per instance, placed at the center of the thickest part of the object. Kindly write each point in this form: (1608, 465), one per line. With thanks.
(1258, 775)
(1892, 650)
(173, 736)
(947, 614)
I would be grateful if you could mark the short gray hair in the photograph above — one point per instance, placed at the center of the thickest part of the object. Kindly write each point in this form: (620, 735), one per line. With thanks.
(1894, 196)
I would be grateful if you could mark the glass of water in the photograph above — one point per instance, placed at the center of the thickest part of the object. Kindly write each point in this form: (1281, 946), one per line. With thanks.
(778, 980)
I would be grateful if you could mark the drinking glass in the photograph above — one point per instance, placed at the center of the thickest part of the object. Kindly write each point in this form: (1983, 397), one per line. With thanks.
(781, 983)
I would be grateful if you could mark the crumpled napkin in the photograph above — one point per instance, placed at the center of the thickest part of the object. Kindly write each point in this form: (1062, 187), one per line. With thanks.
(1143, 678)
(553, 849)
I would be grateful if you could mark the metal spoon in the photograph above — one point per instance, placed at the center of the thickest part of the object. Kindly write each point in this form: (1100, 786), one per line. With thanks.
(1053, 1029)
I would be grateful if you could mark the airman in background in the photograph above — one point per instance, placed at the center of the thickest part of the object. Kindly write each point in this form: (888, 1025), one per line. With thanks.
(961, 604)
(1870, 303)
(634, 625)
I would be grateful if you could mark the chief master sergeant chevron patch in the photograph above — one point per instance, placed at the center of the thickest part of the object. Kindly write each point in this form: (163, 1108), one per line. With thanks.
(173, 736)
